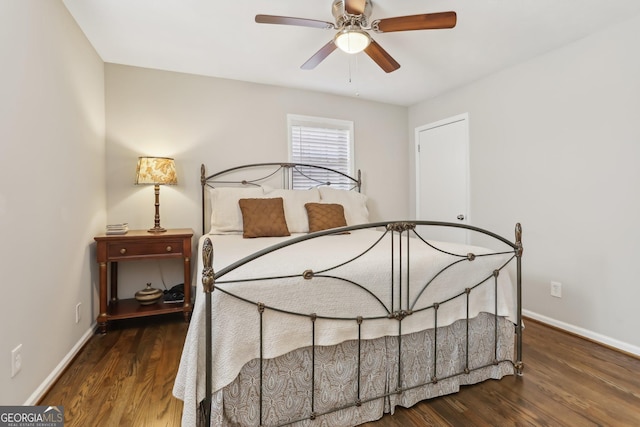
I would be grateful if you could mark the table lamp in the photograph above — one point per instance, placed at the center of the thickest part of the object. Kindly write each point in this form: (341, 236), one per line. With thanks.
(157, 171)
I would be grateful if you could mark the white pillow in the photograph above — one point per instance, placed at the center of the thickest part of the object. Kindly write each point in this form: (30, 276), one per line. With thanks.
(354, 204)
(226, 217)
(294, 210)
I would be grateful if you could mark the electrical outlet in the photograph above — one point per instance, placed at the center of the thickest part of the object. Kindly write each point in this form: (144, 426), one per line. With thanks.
(16, 360)
(556, 289)
(78, 312)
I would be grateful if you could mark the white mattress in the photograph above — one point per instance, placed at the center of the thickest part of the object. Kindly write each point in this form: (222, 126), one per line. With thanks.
(236, 324)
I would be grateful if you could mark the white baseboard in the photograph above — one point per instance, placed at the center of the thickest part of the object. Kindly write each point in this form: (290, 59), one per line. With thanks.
(622, 346)
(53, 376)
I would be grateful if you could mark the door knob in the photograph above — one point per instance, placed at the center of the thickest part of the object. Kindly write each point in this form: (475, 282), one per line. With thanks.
(460, 217)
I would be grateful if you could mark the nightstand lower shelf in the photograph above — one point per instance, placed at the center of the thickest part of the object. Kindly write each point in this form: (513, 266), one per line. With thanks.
(130, 308)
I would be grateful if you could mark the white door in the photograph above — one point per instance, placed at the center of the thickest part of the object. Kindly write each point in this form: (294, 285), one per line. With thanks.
(442, 177)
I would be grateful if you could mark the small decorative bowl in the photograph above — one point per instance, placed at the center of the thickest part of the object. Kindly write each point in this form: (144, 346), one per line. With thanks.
(149, 295)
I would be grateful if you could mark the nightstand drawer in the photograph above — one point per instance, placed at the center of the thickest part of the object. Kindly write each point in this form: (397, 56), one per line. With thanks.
(122, 250)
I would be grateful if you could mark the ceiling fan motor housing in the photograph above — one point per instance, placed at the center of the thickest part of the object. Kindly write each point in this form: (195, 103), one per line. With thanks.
(343, 18)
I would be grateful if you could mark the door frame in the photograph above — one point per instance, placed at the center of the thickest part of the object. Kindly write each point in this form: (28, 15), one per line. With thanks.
(457, 118)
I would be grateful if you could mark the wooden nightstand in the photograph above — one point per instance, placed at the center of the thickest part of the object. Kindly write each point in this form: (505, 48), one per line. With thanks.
(134, 246)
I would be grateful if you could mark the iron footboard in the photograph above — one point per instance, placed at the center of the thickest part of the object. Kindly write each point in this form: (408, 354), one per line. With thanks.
(403, 304)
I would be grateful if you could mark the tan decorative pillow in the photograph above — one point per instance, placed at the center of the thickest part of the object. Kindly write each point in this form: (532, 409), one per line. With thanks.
(323, 216)
(263, 218)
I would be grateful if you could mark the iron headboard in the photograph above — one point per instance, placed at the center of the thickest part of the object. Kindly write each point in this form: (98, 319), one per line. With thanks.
(268, 172)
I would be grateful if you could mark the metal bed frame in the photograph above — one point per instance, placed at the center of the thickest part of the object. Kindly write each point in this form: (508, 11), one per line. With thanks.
(396, 311)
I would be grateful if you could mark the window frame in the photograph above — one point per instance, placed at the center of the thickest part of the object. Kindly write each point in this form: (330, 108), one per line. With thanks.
(322, 122)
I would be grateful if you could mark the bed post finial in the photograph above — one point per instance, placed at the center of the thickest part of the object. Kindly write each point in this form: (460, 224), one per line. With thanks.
(207, 261)
(520, 248)
(203, 178)
(359, 181)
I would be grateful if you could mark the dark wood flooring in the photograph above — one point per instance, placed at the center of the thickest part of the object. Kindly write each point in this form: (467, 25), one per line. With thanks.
(125, 378)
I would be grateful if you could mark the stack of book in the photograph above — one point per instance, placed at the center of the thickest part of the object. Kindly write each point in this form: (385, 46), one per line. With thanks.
(118, 228)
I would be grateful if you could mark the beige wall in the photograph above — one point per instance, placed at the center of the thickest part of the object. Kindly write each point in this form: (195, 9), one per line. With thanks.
(52, 196)
(555, 144)
(224, 123)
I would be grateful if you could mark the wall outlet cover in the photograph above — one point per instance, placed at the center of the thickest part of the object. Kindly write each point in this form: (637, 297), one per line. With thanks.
(556, 289)
(16, 360)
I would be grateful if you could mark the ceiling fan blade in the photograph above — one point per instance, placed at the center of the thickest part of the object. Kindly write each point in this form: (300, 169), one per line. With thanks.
(287, 20)
(319, 56)
(354, 7)
(427, 21)
(381, 57)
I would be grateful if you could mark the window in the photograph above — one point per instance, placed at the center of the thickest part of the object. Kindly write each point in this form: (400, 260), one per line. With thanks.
(322, 142)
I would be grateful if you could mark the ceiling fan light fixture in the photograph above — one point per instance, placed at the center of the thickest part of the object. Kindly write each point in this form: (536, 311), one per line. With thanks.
(352, 40)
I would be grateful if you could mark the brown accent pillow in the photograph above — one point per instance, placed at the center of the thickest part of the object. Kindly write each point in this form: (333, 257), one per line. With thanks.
(323, 216)
(263, 218)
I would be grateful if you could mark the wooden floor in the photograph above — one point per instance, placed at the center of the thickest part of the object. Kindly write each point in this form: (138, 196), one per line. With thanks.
(125, 378)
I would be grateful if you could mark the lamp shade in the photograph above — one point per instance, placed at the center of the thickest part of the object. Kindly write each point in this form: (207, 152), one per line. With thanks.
(352, 40)
(156, 170)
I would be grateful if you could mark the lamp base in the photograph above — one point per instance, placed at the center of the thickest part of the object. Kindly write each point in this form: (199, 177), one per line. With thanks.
(156, 220)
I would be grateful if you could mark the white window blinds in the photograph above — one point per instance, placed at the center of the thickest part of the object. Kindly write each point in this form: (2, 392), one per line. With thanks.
(322, 144)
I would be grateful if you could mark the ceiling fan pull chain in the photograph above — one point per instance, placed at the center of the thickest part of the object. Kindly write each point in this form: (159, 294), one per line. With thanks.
(355, 58)
(353, 72)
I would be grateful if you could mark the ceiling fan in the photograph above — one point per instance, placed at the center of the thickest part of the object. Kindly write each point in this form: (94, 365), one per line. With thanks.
(352, 23)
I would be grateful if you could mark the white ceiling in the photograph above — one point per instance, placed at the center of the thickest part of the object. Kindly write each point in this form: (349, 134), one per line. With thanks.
(221, 39)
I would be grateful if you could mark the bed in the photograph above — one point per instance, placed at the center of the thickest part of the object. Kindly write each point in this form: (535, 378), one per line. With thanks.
(310, 315)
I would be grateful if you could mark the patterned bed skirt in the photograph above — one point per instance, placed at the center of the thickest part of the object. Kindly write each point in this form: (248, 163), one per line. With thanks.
(286, 386)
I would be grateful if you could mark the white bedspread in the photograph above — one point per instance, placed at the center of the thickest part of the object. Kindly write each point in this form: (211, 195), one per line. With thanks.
(236, 324)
